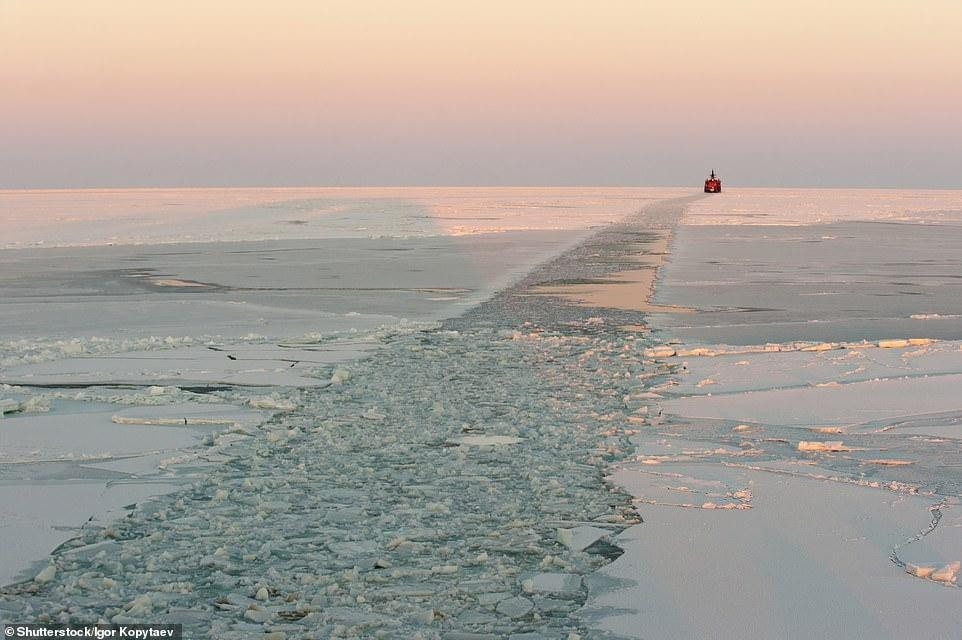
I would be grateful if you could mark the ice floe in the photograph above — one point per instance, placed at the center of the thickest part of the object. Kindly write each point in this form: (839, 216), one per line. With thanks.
(484, 440)
(580, 538)
(9, 405)
(191, 414)
(856, 527)
(828, 446)
(261, 365)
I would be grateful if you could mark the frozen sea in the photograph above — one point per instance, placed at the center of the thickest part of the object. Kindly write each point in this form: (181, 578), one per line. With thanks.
(465, 413)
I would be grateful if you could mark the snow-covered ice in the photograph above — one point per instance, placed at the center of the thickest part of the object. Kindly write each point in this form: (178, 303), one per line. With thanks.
(799, 471)
(810, 559)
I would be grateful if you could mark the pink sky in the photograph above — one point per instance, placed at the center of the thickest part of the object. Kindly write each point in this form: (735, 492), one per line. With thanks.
(110, 93)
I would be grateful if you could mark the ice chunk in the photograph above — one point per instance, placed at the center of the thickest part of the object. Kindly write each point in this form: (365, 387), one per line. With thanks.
(353, 548)
(516, 607)
(893, 344)
(697, 352)
(833, 445)
(660, 352)
(139, 606)
(921, 572)
(580, 538)
(345, 515)
(273, 402)
(483, 440)
(488, 599)
(46, 575)
(889, 462)
(9, 405)
(948, 573)
(189, 414)
(257, 613)
(445, 569)
(429, 616)
(822, 346)
(565, 585)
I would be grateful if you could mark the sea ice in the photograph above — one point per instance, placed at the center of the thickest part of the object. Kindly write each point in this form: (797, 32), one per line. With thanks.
(375, 526)
(580, 538)
(370, 525)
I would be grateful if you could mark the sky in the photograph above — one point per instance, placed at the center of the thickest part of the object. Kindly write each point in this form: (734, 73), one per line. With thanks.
(111, 93)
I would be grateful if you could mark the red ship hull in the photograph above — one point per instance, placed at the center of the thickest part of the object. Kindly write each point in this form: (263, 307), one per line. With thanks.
(713, 183)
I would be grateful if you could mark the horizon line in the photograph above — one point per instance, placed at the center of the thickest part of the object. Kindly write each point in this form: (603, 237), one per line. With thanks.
(697, 185)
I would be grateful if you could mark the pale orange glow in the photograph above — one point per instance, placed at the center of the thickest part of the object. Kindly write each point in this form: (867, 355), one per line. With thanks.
(396, 70)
